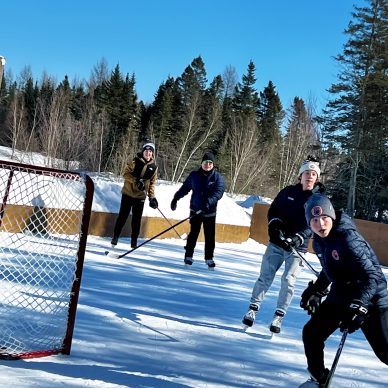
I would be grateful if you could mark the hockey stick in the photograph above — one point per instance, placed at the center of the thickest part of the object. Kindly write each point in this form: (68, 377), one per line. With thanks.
(118, 256)
(183, 236)
(294, 251)
(336, 358)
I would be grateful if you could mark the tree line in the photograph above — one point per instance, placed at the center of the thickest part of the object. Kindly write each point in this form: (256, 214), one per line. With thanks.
(99, 124)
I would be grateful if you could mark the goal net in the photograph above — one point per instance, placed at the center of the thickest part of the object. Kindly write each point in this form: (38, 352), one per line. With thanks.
(44, 219)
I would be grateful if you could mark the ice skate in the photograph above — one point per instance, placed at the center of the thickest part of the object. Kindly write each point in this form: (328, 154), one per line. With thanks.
(188, 261)
(276, 323)
(316, 382)
(249, 317)
(114, 241)
(211, 264)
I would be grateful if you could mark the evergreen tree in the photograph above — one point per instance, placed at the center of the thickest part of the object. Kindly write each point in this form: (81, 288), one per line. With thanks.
(246, 98)
(270, 140)
(356, 117)
(118, 98)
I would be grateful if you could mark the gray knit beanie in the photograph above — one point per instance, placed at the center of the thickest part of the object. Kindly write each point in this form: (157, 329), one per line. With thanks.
(318, 205)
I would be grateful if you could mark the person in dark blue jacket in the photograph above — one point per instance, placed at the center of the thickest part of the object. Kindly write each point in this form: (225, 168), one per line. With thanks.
(207, 186)
(287, 229)
(358, 296)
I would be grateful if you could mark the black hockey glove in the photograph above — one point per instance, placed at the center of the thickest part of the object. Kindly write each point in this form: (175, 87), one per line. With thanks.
(311, 298)
(294, 241)
(153, 203)
(173, 204)
(140, 184)
(276, 232)
(354, 316)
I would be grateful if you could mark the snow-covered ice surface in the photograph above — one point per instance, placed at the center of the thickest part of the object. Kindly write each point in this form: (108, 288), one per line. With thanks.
(147, 321)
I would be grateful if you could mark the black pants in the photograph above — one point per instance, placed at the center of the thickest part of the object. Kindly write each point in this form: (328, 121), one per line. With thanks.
(326, 320)
(209, 230)
(137, 206)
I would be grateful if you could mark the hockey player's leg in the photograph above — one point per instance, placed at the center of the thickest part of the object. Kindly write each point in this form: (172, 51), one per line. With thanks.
(375, 329)
(315, 332)
(191, 242)
(292, 269)
(269, 265)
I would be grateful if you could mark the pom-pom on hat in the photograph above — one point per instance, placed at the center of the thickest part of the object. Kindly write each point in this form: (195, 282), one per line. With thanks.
(208, 156)
(318, 205)
(309, 165)
(149, 146)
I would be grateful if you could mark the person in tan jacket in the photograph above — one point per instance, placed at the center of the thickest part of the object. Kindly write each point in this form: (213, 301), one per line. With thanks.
(140, 176)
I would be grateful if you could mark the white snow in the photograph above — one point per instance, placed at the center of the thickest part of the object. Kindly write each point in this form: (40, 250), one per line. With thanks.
(146, 321)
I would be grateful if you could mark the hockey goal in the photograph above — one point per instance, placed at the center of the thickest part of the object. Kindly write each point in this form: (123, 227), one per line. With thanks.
(44, 219)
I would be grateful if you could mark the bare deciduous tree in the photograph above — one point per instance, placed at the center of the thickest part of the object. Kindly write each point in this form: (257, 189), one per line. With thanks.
(247, 161)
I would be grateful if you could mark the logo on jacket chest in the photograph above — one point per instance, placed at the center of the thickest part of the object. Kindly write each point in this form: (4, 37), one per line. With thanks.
(335, 255)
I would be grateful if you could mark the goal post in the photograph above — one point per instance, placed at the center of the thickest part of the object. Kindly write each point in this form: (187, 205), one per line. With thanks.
(44, 221)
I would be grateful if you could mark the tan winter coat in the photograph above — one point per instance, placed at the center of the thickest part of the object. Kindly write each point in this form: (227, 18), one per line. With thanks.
(137, 169)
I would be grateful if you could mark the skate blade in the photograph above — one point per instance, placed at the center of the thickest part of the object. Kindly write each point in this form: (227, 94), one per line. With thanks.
(245, 327)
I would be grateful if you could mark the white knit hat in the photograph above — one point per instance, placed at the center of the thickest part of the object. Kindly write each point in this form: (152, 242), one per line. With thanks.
(149, 146)
(309, 165)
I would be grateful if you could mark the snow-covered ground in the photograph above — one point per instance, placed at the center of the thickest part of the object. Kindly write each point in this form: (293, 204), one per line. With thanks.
(147, 321)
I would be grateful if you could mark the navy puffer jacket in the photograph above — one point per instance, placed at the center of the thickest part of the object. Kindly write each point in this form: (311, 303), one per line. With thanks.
(207, 190)
(350, 265)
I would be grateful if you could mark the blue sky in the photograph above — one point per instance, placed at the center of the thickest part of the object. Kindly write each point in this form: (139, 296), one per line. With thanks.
(292, 43)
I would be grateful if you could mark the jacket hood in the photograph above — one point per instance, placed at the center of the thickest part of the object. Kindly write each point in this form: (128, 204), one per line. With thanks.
(343, 222)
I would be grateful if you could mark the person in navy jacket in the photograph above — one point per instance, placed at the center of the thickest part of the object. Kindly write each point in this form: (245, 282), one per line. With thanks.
(288, 231)
(358, 296)
(207, 186)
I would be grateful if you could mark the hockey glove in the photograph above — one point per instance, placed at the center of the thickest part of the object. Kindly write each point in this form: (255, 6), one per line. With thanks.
(153, 203)
(354, 316)
(173, 204)
(276, 233)
(140, 184)
(311, 298)
(294, 241)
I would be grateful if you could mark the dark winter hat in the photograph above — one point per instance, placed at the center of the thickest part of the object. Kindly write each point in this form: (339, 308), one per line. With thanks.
(208, 156)
(149, 146)
(318, 205)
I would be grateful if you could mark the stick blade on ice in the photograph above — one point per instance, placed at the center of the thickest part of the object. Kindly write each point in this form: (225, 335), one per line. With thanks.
(112, 255)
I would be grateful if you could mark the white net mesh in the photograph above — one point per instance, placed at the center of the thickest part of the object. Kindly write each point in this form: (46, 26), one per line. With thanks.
(40, 230)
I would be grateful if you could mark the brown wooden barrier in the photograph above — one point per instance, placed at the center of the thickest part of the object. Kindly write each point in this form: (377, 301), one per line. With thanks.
(18, 218)
(102, 224)
(375, 233)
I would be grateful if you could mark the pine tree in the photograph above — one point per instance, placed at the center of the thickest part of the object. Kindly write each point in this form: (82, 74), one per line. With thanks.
(356, 117)
(246, 98)
(271, 117)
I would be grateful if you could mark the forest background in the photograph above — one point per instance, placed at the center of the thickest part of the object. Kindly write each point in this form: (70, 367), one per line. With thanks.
(99, 124)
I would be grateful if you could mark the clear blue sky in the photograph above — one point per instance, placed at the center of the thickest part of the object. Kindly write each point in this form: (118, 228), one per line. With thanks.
(291, 42)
